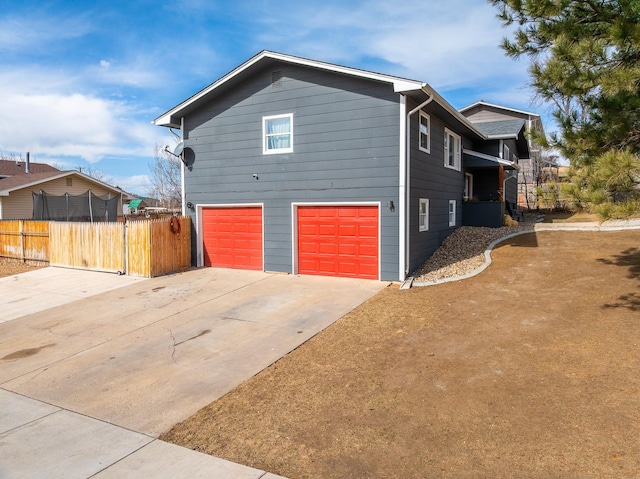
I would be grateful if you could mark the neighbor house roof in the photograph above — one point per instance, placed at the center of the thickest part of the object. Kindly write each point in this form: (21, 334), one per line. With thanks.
(12, 168)
(28, 180)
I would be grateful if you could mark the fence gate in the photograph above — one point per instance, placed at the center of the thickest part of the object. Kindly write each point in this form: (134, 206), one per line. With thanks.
(93, 246)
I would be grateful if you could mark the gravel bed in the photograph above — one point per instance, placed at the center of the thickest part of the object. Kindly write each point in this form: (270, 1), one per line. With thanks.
(463, 251)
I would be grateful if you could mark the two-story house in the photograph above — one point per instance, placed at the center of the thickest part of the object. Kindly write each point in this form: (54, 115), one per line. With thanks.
(305, 167)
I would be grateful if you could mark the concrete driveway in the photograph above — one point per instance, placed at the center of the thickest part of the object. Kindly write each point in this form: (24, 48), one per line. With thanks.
(151, 353)
(93, 367)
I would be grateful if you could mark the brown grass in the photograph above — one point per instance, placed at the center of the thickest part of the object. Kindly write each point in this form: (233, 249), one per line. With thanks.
(528, 370)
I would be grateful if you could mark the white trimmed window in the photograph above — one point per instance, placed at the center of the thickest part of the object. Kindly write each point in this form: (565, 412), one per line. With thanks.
(506, 153)
(423, 215)
(452, 212)
(277, 134)
(425, 132)
(452, 148)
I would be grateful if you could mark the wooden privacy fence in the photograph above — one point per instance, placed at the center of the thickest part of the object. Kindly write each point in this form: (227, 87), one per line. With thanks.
(94, 246)
(159, 246)
(25, 240)
(138, 248)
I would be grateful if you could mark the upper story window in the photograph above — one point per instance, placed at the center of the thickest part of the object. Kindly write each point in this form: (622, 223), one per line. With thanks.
(277, 133)
(452, 149)
(506, 153)
(423, 215)
(425, 132)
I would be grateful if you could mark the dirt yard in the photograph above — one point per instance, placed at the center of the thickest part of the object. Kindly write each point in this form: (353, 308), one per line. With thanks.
(531, 370)
(11, 267)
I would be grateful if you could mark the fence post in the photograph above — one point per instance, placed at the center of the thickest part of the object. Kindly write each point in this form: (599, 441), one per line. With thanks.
(22, 242)
(126, 248)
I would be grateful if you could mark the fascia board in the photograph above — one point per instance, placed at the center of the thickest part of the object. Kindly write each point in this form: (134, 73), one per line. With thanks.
(502, 137)
(498, 106)
(484, 156)
(62, 174)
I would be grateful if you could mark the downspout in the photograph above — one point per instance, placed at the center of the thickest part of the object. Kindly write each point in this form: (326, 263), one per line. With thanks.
(405, 188)
(182, 172)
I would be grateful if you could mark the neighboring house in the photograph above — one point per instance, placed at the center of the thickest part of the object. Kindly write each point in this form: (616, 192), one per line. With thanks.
(17, 191)
(10, 168)
(135, 207)
(484, 115)
(306, 167)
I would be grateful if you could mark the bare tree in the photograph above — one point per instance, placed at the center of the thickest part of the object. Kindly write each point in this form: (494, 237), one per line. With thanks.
(10, 157)
(166, 178)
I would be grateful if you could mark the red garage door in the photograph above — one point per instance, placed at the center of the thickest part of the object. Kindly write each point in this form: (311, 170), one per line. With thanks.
(232, 237)
(338, 241)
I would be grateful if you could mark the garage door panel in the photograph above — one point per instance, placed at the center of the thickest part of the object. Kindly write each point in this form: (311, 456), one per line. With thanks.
(232, 237)
(338, 241)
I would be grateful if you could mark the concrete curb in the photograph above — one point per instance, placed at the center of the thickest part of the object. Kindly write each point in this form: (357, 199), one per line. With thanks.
(613, 225)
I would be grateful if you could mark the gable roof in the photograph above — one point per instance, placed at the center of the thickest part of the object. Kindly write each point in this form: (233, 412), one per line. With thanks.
(501, 129)
(499, 107)
(27, 180)
(172, 117)
(419, 90)
(12, 168)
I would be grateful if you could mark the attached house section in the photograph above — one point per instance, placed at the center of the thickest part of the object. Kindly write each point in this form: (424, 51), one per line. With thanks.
(306, 167)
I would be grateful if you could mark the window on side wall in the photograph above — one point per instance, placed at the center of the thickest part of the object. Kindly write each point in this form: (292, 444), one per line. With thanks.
(506, 153)
(468, 186)
(452, 149)
(423, 215)
(277, 134)
(452, 212)
(425, 132)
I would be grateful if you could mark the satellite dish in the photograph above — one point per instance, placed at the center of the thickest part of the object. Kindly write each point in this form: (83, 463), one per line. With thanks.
(188, 157)
(179, 148)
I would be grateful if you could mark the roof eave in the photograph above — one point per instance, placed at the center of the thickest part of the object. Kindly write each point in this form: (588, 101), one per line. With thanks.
(62, 174)
(497, 106)
(451, 110)
(495, 159)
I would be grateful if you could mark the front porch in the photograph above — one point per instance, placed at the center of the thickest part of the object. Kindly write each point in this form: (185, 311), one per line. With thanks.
(490, 190)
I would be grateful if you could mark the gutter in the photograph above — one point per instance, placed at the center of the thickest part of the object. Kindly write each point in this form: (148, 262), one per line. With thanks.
(405, 183)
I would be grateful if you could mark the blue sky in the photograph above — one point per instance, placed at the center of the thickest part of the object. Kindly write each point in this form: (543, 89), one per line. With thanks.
(81, 81)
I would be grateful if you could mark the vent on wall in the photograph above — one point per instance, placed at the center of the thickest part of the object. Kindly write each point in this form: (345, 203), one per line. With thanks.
(276, 79)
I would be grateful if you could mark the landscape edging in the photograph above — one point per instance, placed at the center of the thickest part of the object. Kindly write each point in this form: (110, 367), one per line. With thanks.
(613, 226)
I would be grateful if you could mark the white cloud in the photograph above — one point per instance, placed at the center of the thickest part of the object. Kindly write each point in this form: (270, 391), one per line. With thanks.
(59, 124)
(20, 33)
(450, 45)
(138, 184)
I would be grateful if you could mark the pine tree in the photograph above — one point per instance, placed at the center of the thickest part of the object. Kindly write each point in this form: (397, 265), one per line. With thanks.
(585, 59)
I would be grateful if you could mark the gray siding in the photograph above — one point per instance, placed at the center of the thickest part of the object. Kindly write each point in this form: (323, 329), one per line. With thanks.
(485, 113)
(432, 180)
(511, 190)
(346, 149)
